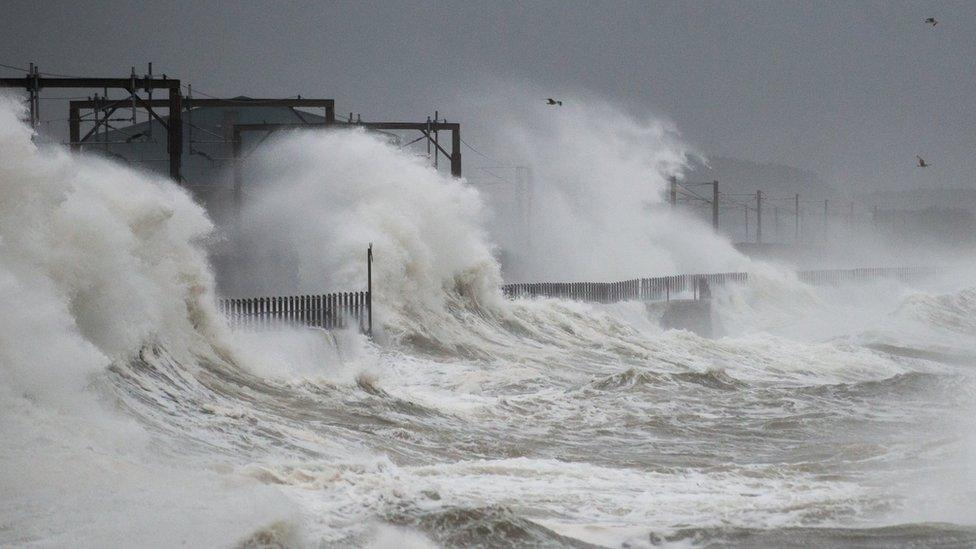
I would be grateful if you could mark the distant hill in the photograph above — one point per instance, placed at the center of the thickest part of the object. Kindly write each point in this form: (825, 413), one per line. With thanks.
(736, 175)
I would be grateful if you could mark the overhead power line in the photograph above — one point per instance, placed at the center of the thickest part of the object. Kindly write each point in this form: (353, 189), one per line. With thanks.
(479, 153)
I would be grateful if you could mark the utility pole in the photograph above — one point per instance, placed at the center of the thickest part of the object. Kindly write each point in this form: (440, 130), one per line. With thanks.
(436, 142)
(796, 217)
(369, 289)
(745, 208)
(33, 92)
(715, 205)
(826, 202)
(758, 217)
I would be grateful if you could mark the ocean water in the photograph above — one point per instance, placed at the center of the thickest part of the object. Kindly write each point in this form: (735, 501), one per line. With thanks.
(132, 417)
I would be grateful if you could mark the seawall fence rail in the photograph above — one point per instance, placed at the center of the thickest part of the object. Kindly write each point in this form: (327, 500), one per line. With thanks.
(354, 309)
(665, 288)
(329, 311)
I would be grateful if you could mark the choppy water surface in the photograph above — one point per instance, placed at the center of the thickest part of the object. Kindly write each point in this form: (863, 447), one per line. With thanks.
(132, 417)
(584, 425)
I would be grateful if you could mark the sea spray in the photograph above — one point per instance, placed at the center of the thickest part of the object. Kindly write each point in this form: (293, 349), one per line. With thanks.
(593, 203)
(98, 263)
(472, 418)
(105, 259)
(319, 198)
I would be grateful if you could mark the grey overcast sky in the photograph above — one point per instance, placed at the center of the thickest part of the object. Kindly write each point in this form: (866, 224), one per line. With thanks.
(852, 90)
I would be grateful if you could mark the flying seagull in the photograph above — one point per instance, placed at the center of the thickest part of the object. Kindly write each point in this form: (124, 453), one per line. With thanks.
(556, 102)
(921, 162)
(932, 21)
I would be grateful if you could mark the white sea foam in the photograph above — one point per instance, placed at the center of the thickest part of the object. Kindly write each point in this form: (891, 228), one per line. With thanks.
(131, 417)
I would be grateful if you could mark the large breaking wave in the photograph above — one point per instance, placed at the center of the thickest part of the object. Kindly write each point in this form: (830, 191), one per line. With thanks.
(132, 416)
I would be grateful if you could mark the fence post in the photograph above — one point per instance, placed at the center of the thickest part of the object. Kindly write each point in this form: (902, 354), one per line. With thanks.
(369, 290)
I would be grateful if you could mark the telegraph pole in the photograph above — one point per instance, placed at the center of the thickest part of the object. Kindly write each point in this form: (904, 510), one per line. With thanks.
(758, 217)
(745, 208)
(436, 142)
(715, 205)
(796, 217)
(826, 202)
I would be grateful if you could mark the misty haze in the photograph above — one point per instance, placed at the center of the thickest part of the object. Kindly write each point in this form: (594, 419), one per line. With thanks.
(441, 274)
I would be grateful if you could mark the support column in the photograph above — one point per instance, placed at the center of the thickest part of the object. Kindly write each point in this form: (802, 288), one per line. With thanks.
(745, 208)
(796, 218)
(825, 235)
(715, 205)
(456, 152)
(758, 217)
(175, 132)
(369, 290)
(74, 128)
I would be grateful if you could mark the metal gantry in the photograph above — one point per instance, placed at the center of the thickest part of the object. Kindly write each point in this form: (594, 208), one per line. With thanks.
(35, 81)
(101, 110)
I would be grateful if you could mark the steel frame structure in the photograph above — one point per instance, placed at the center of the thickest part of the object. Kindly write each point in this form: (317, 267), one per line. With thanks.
(103, 109)
(33, 83)
(76, 116)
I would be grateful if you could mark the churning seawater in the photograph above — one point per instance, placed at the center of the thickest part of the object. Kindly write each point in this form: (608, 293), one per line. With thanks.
(132, 417)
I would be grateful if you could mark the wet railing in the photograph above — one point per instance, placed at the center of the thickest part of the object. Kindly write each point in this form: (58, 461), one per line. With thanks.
(693, 286)
(327, 311)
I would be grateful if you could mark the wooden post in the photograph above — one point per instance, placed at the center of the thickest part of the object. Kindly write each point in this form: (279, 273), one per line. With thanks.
(826, 202)
(796, 218)
(758, 217)
(369, 290)
(715, 205)
(745, 209)
(456, 152)
(174, 133)
(74, 125)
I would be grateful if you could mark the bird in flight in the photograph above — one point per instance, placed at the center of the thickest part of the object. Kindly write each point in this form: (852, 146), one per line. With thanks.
(556, 102)
(932, 21)
(921, 162)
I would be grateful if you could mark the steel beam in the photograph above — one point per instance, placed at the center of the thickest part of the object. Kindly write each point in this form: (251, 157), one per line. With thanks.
(174, 134)
(119, 83)
(191, 103)
(715, 206)
(74, 123)
(34, 83)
